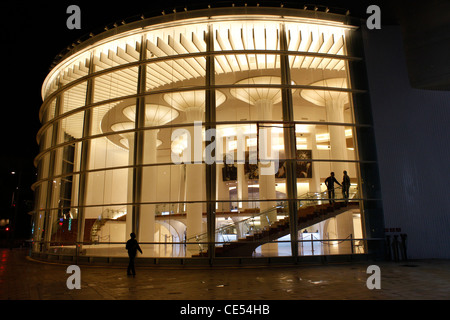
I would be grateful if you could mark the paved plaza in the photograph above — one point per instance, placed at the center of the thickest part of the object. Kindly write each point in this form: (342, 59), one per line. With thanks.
(22, 278)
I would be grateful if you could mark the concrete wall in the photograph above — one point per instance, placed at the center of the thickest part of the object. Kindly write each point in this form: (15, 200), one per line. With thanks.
(413, 144)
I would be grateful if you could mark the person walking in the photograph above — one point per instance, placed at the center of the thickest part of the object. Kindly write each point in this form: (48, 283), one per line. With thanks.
(132, 247)
(329, 182)
(345, 186)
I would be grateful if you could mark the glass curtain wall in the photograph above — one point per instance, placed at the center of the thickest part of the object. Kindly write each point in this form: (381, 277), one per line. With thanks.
(206, 139)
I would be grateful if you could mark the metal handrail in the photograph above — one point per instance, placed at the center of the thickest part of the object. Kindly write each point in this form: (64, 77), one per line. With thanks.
(311, 197)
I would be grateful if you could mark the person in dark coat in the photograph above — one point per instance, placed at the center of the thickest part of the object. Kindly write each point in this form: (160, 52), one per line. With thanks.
(132, 247)
(329, 182)
(345, 186)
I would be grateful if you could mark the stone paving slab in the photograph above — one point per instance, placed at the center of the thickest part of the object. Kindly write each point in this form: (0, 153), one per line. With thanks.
(22, 278)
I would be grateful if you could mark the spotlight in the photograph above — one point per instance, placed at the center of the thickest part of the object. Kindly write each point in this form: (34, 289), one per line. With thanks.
(174, 10)
(327, 10)
(185, 9)
(142, 17)
(347, 13)
(163, 13)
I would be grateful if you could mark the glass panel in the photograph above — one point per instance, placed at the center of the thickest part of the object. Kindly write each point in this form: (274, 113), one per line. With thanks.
(251, 184)
(157, 143)
(71, 127)
(250, 233)
(329, 209)
(49, 113)
(118, 52)
(323, 105)
(115, 84)
(39, 228)
(187, 38)
(185, 72)
(72, 71)
(108, 227)
(110, 118)
(315, 38)
(180, 40)
(188, 106)
(106, 187)
(314, 142)
(73, 98)
(46, 138)
(43, 166)
(65, 218)
(337, 235)
(105, 154)
(246, 35)
(231, 68)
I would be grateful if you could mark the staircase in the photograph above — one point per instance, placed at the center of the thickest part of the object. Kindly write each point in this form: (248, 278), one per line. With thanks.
(308, 215)
(107, 215)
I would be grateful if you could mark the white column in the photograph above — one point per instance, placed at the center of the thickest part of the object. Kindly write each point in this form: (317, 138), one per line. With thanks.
(334, 102)
(129, 218)
(149, 176)
(155, 115)
(344, 227)
(266, 182)
(194, 178)
(242, 186)
(314, 185)
(222, 190)
(338, 144)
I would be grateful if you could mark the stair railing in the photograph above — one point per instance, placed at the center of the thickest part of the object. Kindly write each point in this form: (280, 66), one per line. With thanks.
(106, 215)
(250, 226)
(245, 227)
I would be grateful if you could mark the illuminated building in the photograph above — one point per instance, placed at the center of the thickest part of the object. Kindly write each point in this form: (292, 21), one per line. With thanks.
(121, 106)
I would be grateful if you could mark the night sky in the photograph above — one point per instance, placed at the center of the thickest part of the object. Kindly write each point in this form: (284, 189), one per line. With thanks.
(32, 34)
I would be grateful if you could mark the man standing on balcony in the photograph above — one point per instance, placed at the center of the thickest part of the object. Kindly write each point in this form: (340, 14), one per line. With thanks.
(345, 186)
(329, 182)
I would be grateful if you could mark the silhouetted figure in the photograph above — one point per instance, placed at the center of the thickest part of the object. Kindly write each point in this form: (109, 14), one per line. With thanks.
(132, 247)
(345, 186)
(329, 182)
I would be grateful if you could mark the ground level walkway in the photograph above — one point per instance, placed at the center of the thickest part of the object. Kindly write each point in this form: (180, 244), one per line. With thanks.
(22, 278)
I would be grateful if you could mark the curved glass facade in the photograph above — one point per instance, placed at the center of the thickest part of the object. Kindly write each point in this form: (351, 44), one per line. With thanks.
(208, 137)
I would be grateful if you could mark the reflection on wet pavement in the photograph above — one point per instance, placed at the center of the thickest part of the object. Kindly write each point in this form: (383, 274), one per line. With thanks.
(22, 278)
